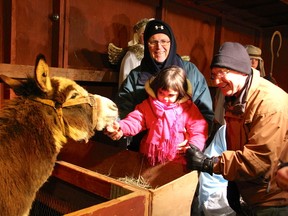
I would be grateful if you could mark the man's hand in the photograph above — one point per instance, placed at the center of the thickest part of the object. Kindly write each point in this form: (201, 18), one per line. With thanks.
(196, 160)
(282, 177)
(233, 197)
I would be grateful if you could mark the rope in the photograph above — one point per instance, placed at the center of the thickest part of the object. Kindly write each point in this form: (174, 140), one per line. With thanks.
(72, 102)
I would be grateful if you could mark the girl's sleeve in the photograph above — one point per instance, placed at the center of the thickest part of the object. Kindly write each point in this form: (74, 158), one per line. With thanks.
(134, 122)
(201, 93)
(197, 127)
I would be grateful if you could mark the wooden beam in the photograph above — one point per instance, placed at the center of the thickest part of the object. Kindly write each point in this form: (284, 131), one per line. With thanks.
(22, 71)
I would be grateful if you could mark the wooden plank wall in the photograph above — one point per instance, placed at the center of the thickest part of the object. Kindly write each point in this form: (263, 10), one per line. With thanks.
(1, 31)
(80, 37)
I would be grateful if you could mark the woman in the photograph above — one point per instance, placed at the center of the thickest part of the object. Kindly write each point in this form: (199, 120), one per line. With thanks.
(160, 51)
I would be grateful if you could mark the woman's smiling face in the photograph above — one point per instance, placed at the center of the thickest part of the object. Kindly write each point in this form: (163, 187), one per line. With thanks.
(159, 47)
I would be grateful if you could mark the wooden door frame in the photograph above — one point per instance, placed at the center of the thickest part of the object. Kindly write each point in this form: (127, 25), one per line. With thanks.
(60, 33)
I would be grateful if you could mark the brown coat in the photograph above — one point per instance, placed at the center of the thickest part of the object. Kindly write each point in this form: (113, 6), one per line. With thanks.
(256, 139)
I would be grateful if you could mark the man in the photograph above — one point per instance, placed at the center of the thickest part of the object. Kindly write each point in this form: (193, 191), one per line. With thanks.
(258, 63)
(256, 59)
(160, 51)
(256, 115)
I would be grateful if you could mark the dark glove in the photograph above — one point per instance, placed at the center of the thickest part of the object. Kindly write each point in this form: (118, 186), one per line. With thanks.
(197, 160)
(233, 197)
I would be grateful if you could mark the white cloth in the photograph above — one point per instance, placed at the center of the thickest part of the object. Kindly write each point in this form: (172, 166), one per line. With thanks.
(212, 189)
(219, 107)
(217, 205)
(128, 63)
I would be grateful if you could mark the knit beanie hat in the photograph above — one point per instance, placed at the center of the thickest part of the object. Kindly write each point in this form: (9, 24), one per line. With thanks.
(156, 27)
(254, 52)
(232, 55)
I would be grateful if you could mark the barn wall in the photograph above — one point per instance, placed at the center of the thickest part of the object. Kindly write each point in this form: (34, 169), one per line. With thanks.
(91, 28)
(1, 31)
(83, 30)
(279, 67)
(195, 34)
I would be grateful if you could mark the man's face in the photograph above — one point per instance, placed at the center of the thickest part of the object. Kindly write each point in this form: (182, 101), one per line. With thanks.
(254, 62)
(228, 81)
(159, 47)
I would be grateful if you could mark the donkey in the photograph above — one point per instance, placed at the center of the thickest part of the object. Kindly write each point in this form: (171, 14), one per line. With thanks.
(35, 125)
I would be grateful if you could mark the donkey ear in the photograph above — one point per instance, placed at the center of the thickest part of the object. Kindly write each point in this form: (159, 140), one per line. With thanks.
(12, 83)
(42, 74)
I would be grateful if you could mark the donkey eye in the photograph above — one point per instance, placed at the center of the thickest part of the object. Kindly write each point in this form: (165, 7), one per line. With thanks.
(74, 95)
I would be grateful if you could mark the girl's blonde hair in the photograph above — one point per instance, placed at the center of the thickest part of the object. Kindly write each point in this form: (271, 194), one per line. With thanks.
(172, 77)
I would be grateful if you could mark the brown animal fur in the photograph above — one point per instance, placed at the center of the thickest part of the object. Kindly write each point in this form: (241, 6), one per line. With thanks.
(32, 132)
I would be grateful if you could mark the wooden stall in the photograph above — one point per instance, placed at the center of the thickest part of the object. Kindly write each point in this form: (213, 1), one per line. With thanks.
(75, 191)
(170, 187)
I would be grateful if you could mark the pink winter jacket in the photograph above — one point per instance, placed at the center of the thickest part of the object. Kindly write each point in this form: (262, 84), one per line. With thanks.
(189, 122)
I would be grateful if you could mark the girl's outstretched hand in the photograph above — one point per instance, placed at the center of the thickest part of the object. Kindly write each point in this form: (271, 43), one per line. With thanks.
(113, 131)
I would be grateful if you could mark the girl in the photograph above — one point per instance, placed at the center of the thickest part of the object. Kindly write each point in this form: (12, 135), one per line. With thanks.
(169, 115)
